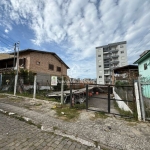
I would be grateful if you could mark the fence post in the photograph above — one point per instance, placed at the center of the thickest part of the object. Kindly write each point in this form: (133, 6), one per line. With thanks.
(15, 85)
(87, 97)
(70, 95)
(108, 98)
(34, 89)
(62, 90)
(137, 100)
(141, 100)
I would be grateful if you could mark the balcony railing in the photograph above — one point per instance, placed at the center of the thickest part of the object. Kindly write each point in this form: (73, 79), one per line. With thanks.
(107, 79)
(114, 50)
(6, 69)
(115, 61)
(106, 57)
(114, 56)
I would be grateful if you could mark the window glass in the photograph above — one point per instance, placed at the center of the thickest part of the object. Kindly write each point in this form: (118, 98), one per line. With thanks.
(51, 67)
(59, 69)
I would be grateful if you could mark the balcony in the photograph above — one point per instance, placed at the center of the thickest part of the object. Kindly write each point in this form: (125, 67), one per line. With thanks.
(106, 51)
(9, 69)
(107, 79)
(106, 74)
(106, 62)
(115, 61)
(106, 57)
(114, 50)
(114, 56)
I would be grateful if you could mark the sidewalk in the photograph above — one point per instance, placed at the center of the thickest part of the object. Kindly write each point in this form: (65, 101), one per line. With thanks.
(110, 133)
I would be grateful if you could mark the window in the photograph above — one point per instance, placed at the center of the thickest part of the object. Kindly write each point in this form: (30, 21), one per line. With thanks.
(121, 46)
(145, 66)
(99, 65)
(51, 67)
(22, 62)
(59, 69)
(99, 55)
(37, 62)
(122, 52)
(100, 76)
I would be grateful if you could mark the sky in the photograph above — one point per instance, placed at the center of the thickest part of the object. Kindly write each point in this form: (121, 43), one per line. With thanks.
(73, 28)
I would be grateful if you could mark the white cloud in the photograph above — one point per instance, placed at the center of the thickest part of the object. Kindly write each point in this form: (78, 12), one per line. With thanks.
(6, 30)
(79, 26)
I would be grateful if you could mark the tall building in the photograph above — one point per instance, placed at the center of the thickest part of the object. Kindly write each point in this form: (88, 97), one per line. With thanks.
(109, 57)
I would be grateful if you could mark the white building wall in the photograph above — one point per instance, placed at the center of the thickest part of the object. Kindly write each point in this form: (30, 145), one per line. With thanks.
(122, 58)
(100, 66)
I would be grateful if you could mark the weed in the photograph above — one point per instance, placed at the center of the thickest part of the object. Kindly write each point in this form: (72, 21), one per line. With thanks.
(101, 115)
(80, 106)
(2, 96)
(125, 114)
(67, 113)
(55, 128)
(38, 104)
(96, 143)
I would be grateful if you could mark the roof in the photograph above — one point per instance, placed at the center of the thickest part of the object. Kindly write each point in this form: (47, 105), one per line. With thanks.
(126, 67)
(112, 44)
(39, 51)
(4, 56)
(143, 57)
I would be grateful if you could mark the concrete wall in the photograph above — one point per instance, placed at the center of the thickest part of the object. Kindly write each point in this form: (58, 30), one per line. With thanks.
(121, 104)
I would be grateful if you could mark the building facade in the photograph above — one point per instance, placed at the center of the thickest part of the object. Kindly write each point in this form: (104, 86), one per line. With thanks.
(108, 57)
(144, 64)
(127, 74)
(40, 62)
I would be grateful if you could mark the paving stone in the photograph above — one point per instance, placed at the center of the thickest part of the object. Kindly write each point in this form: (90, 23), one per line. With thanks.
(122, 135)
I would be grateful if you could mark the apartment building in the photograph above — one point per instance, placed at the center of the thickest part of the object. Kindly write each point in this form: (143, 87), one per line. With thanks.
(108, 57)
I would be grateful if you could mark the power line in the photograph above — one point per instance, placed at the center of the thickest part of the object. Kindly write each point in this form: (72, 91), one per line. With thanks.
(4, 43)
(7, 35)
(6, 39)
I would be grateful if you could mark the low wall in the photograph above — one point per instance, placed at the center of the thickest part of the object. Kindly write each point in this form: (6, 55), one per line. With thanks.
(27, 87)
(121, 104)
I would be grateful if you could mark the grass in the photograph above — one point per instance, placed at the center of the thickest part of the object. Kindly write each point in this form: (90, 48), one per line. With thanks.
(125, 114)
(67, 113)
(101, 115)
(2, 96)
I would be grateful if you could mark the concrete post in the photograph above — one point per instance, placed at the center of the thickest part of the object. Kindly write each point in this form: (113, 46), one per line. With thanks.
(62, 90)
(34, 90)
(137, 100)
(141, 100)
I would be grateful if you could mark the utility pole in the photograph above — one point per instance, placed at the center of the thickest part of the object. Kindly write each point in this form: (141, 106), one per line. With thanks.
(62, 90)
(17, 69)
(14, 55)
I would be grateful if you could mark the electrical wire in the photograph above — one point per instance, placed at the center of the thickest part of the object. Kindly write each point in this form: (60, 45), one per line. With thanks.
(2, 38)
(4, 43)
(7, 35)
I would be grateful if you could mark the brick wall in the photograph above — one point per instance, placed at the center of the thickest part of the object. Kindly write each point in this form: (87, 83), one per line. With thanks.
(39, 63)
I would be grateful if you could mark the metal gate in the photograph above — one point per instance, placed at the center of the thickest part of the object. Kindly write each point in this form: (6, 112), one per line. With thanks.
(117, 100)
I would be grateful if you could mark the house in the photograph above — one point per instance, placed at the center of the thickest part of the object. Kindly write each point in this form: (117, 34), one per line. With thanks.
(43, 63)
(6, 62)
(127, 73)
(144, 73)
(36, 61)
(144, 64)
